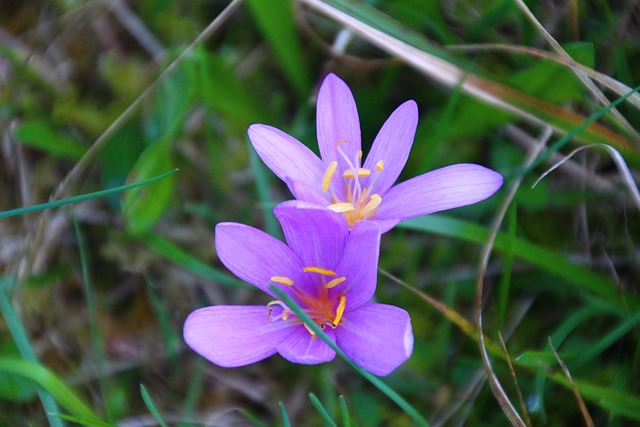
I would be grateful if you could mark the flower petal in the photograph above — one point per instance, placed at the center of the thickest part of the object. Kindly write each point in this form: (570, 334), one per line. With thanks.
(302, 347)
(378, 337)
(359, 264)
(392, 146)
(315, 234)
(232, 336)
(337, 120)
(446, 188)
(286, 156)
(307, 192)
(256, 257)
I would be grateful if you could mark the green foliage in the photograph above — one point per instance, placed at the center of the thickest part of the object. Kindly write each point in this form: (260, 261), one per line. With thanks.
(93, 309)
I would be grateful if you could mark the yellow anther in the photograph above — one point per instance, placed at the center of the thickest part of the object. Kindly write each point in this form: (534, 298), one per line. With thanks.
(335, 282)
(341, 142)
(339, 311)
(359, 154)
(341, 207)
(328, 174)
(309, 329)
(319, 270)
(348, 173)
(374, 202)
(282, 280)
(380, 166)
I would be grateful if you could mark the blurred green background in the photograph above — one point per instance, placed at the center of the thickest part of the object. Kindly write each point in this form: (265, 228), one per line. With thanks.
(98, 94)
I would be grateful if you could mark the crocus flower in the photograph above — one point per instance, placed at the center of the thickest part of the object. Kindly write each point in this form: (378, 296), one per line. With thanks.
(342, 183)
(328, 271)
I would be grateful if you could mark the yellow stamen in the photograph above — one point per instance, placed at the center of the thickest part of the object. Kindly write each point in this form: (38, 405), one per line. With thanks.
(339, 312)
(372, 205)
(340, 142)
(309, 329)
(341, 207)
(282, 280)
(335, 282)
(319, 271)
(361, 172)
(380, 166)
(328, 174)
(359, 154)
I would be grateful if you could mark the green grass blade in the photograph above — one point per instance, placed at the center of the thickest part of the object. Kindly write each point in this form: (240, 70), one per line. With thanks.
(321, 410)
(555, 263)
(96, 337)
(84, 421)
(151, 406)
(55, 388)
(76, 199)
(169, 336)
(262, 187)
(24, 347)
(173, 253)
(577, 130)
(285, 416)
(346, 419)
(388, 391)
(276, 21)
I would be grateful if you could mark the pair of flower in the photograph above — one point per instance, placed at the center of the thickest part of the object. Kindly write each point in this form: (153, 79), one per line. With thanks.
(329, 264)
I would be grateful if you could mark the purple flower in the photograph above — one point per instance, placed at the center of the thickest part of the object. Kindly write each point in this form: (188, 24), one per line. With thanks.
(340, 182)
(328, 271)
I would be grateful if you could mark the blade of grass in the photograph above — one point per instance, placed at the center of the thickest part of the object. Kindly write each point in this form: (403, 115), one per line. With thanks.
(576, 131)
(388, 391)
(151, 406)
(264, 197)
(581, 277)
(83, 197)
(194, 390)
(96, 336)
(169, 336)
(346, 419)
(24, 347)
(285, 416)
(276, 21)
(54, 387)
(173, 253)
(321, 410)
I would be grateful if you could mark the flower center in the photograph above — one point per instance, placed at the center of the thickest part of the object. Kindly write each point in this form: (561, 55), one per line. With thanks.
(356, 203)
(325, 307)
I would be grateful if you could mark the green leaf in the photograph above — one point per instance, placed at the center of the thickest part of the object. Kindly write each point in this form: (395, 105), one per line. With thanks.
(143, 207)
(275, 20)
(42, 135)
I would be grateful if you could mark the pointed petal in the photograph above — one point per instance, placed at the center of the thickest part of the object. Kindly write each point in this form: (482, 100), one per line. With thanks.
(315, 234)
(392, 146)
(378, 337)
(359, 264)
(302, 347)
(286, 156)
(385, 225)
(256, 257)
(446, 188)
(304, 191)
(232, 336)
(337, 120)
